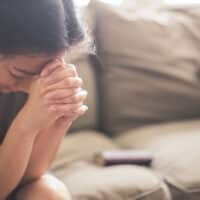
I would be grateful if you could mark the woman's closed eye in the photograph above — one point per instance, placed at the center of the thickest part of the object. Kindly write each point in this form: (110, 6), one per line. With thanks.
(19, 73)
(17, 76)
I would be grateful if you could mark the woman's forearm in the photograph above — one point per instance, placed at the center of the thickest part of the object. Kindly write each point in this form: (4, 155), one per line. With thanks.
(44, 150)
(14, 156)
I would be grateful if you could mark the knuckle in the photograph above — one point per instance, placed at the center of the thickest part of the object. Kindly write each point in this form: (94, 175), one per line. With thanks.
(74, 91)
(66, 108)
(72, 66)
(53, 95)
(66, 81)
(77, 105)
(52, 109)
(70, 92)
(74, 98)
(73, 82)
(71, 71)
(79, 81)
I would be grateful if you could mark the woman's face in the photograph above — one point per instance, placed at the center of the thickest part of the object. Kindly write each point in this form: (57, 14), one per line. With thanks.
(17, 72)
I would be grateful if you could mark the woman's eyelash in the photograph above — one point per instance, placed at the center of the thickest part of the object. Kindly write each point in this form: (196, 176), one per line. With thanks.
(16, 76)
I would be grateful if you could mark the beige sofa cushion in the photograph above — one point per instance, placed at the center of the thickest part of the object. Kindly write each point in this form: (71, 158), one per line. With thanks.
(85, 69)
(89, 182)
(86, 181)
(150, 69)
(176, 149)
(81, 145)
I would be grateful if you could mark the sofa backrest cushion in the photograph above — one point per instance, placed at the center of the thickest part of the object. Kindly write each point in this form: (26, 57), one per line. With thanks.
(86, 71)
(151, 61)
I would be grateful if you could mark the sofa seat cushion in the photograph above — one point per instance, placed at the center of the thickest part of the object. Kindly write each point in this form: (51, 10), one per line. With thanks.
(78, 146)
(89, 182)
(85, 180)
(176, 151)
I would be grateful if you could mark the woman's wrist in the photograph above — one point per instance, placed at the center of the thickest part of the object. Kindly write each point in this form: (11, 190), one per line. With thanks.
(24, 124)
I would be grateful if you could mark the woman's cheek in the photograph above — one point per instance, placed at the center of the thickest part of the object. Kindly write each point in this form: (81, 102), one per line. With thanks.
(24, 85)
(7, 84)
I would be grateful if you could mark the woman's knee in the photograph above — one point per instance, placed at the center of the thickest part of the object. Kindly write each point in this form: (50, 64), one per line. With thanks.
(47, 187)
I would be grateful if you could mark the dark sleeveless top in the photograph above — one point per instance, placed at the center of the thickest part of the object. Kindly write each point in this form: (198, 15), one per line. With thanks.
(10, 104)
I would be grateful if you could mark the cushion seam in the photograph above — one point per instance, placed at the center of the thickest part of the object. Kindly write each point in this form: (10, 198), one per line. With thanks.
(179, 186)
(150, 191)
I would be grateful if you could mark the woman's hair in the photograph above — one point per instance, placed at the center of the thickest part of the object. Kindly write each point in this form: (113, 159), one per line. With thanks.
(38, 26)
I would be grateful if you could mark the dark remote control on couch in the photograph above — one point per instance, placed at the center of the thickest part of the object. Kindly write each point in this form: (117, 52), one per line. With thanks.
(120, 157)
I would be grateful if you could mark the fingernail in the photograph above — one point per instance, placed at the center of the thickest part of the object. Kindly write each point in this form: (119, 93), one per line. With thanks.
(72, 66)
(82, 93)
(84, 108)
(80, 81)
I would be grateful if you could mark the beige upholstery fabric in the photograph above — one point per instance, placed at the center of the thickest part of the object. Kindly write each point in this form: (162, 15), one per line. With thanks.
(151, 62)
(89, 182)
(176, 150)
(86, 72)
(80, 146)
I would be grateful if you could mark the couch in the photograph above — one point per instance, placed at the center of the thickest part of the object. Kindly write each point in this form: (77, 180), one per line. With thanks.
(143, 83)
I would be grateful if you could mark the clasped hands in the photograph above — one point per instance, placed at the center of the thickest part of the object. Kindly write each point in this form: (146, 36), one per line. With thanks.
(56, 94)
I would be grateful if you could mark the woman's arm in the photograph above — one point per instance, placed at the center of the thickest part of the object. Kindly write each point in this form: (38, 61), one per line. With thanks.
(17, 147)
(14, 155)
(45, 148)
(48, 141)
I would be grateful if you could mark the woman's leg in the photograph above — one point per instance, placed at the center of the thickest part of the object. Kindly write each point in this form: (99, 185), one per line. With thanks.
(47, 187)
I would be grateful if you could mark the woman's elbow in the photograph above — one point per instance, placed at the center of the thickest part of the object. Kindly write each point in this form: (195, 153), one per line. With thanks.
(33, 175)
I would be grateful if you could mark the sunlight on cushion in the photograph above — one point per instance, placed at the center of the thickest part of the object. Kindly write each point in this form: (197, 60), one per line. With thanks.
(85, 2)
(174, 2)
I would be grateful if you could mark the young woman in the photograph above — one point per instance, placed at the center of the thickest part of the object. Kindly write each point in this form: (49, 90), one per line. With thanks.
(34, 37)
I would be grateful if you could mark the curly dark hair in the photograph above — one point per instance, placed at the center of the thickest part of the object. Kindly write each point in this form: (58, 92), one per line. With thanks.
(38, 26)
